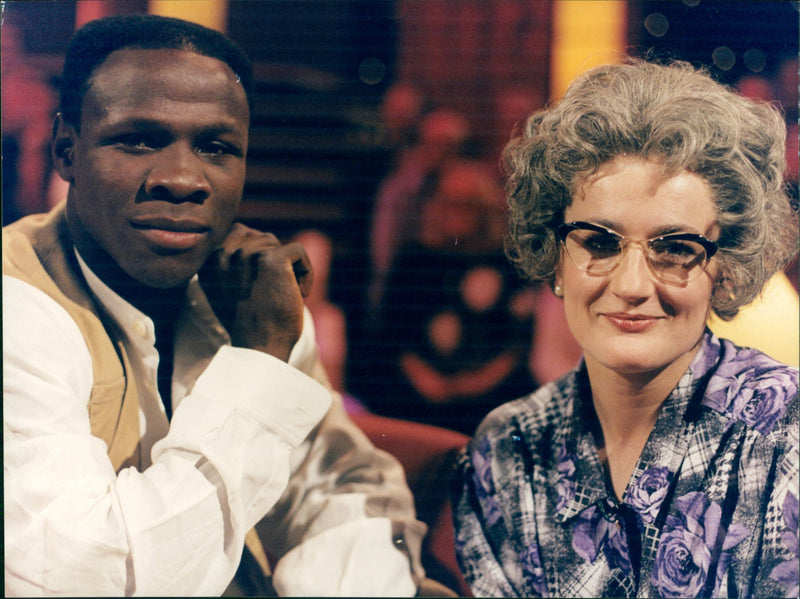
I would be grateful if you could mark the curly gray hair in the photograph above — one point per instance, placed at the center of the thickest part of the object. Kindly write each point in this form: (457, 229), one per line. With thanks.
(681, 117)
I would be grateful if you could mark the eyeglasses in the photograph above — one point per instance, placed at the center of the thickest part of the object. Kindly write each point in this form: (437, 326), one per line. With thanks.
(676, 258)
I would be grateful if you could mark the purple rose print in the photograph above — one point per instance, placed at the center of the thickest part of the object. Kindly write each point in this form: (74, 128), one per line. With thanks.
(531, 563)
(648, 493)
(683, 559)
(759, 406)
(595, 532)
(565, 487)
(788, 572)
(762, 407)
(484, 482)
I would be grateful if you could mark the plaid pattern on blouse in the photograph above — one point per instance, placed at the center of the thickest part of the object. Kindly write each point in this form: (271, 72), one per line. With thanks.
(711, 509)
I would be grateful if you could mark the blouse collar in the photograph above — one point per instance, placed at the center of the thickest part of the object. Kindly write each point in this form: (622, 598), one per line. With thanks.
(583, 482)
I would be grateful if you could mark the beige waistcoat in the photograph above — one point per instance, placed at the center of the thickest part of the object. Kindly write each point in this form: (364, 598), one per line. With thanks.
(39, 250)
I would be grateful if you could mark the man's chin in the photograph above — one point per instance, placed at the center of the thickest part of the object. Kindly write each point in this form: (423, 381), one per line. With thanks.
(169, 275)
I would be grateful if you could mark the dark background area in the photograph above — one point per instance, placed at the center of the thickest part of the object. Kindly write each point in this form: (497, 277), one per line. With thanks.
(318, 149)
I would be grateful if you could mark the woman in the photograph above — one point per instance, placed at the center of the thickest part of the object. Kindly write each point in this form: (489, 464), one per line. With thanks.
(666, 463)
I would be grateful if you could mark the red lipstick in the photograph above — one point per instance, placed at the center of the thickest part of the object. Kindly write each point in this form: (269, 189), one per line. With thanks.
(631, 323)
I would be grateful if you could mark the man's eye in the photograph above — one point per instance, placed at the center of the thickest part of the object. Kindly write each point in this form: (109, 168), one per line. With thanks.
(136, 142)
(219, 149)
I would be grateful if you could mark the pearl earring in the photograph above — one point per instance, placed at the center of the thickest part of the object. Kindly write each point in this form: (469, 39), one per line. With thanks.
(558, 290)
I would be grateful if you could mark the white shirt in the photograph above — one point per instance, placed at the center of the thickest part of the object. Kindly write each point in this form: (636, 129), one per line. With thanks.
(74, 527)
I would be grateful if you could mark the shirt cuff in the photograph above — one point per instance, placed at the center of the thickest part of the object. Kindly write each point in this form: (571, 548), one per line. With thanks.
(281, 397)
(355, 559)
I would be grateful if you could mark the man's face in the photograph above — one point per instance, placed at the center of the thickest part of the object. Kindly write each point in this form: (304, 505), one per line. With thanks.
(158, 167)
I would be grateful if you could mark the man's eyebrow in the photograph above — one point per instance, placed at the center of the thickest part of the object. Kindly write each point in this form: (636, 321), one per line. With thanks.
(136, 123)
(222, 128)
(151, 124)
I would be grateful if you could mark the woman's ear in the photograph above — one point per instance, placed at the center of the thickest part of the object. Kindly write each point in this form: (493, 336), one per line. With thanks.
(62, 147)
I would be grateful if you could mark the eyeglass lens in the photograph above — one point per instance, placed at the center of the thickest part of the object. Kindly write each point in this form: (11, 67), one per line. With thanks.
(598, 253)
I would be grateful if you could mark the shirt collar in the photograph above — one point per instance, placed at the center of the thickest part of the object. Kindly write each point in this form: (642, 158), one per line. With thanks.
(130, 319)
(136, 323)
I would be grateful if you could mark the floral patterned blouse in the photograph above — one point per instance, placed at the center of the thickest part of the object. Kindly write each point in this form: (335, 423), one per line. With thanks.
(711, 509)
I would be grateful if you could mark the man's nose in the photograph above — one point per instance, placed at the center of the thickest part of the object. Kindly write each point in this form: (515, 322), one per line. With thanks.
(178, 175)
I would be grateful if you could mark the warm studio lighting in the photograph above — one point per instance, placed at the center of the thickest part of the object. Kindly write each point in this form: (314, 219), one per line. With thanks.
(211, 13)
(585, 34)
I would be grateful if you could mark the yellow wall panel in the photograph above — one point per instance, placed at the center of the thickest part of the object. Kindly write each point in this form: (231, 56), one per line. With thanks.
(211, 13)
(586, 33)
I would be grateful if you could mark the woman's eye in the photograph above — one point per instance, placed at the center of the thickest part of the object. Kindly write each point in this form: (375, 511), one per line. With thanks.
(602, 244)
(684, 254)
(675, 248)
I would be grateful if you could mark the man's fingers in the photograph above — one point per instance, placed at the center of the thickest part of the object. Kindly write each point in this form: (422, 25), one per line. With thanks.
(248, 240)
(301, 266)
(235, 263)
(247, 255)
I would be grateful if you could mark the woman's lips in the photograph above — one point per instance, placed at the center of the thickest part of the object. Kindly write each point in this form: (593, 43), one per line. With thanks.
(629, 323)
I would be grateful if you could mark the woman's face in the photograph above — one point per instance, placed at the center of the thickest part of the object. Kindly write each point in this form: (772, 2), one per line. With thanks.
(627, 321)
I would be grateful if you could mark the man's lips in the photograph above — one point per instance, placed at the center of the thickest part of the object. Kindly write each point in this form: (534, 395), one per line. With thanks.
(631, 323)
(171, 233)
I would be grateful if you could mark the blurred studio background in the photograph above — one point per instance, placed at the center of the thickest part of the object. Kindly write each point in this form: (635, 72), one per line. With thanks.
(376, 138)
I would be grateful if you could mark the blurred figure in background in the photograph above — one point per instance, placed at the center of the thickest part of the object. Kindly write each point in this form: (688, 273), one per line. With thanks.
(455, 320)
(442, 134)
(512, 107)
(401, 110)
(330, 321)
(28, 103)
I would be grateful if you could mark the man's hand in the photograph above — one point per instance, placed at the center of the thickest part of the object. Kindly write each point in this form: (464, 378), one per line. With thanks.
(256, 287)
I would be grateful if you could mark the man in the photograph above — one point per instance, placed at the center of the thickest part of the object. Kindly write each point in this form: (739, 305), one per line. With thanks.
(158, 365)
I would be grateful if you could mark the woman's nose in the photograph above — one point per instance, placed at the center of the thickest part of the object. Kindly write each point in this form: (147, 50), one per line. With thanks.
(178, 175)
(632, 279)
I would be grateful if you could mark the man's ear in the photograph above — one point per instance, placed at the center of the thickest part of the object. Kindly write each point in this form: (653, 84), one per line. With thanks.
(62, 147)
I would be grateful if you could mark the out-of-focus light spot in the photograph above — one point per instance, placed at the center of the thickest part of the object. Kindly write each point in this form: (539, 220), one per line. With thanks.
(755, 60)
(723, 58)
(756, 87)
(691, 3)
(371, 70)
(656, 24)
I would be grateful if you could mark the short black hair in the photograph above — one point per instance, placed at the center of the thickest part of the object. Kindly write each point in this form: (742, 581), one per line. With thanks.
(94, 42)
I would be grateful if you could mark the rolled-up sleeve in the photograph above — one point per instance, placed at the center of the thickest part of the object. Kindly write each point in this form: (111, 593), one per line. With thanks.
(346, 525)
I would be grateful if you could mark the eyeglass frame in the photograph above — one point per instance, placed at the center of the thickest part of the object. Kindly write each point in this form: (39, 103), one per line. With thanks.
(562, 231)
